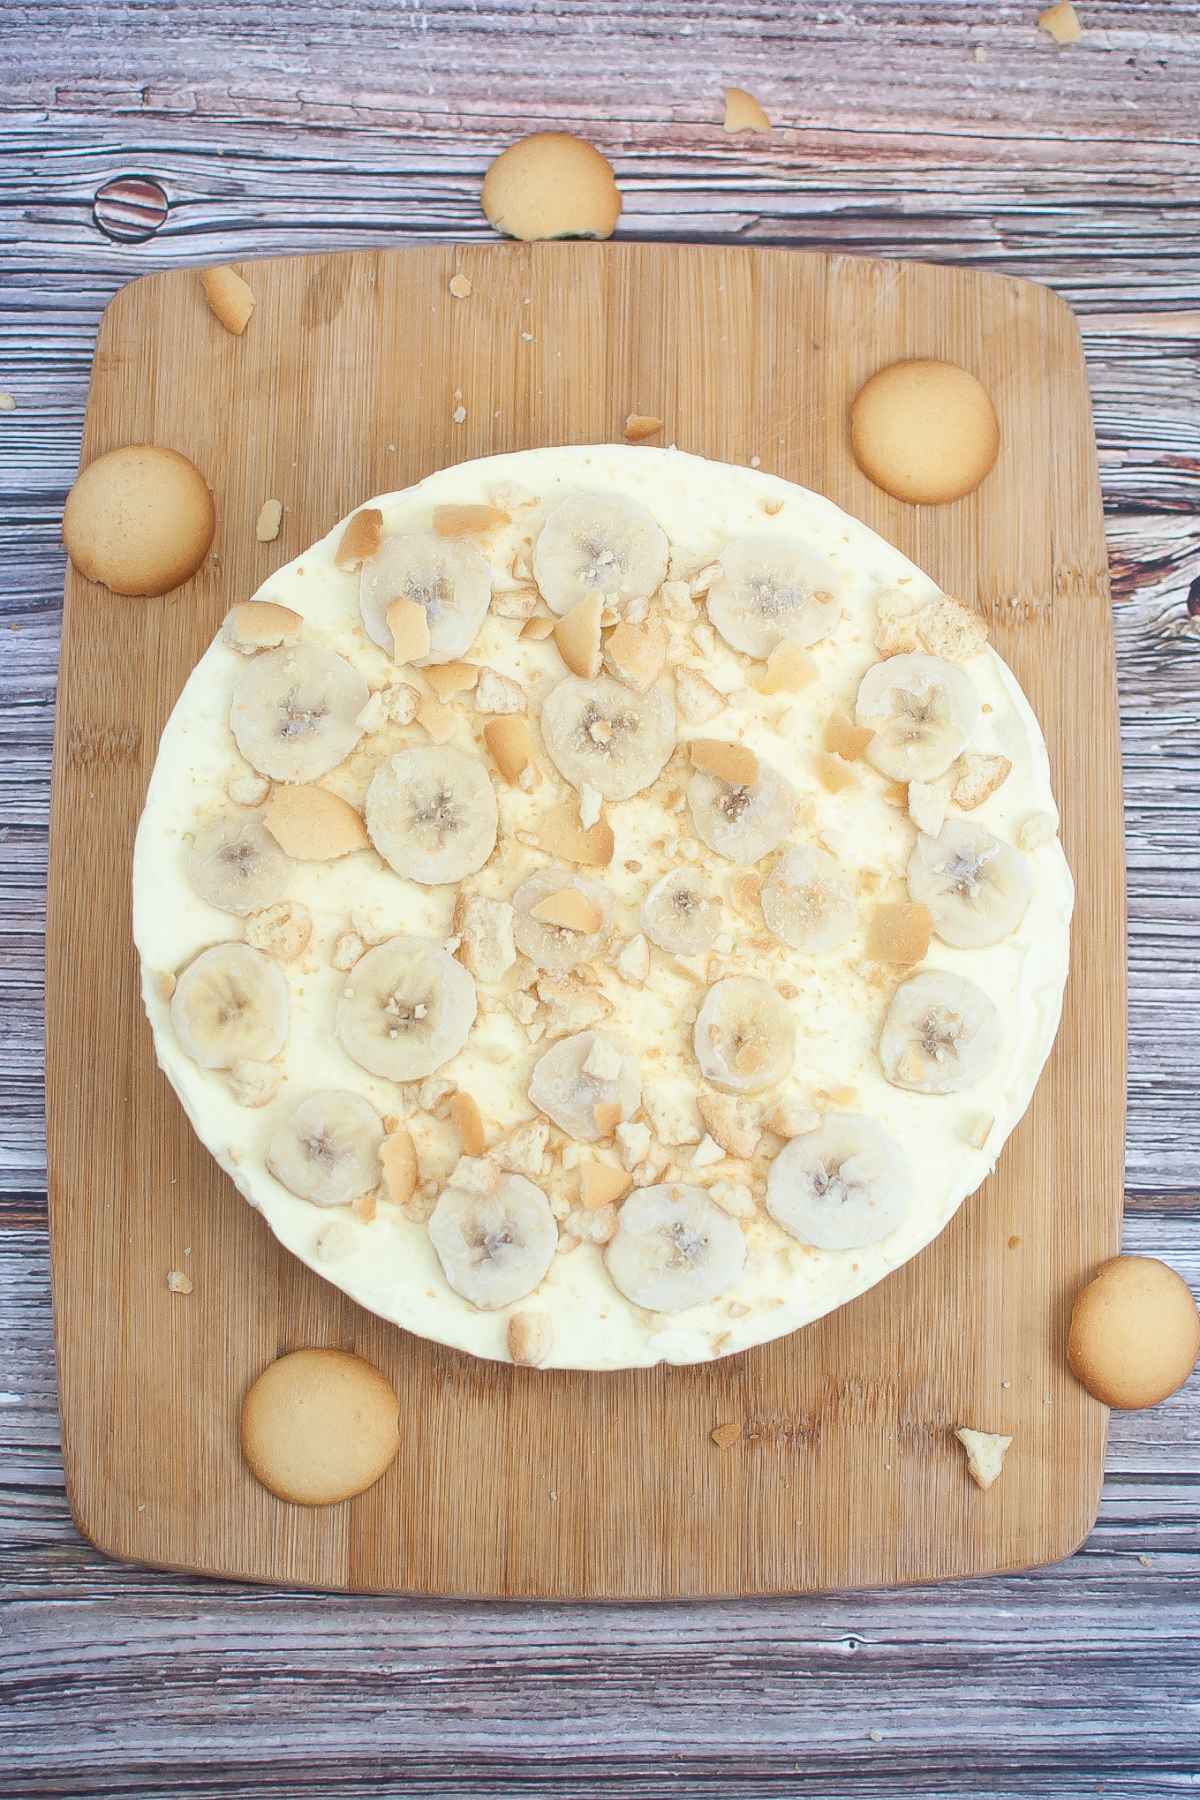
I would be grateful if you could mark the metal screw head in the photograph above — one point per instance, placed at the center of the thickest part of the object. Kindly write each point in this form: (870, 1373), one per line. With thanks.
(129, 208)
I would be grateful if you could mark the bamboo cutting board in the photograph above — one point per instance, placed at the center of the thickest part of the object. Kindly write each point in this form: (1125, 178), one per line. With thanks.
(510, 1482)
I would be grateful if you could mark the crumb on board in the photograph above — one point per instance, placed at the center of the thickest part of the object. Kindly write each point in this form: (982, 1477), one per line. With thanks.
(724, 1435)
(460, 285)
(178, 1282)
(985, 1450)
(266, 526)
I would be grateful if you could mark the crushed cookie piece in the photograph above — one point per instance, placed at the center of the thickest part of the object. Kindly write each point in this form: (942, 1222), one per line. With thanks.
(409, 626)
(985, 1450)
(437, 720)
(729, 762)
(698, 700)
(845, 739)
(641, 426)
(510, 744)
(976, 778)
(530, 1338)
(1061, 22)
(266, 526)
(834, 772)
(786, 671)
(900, 932)
(360, 540)
(497, 694)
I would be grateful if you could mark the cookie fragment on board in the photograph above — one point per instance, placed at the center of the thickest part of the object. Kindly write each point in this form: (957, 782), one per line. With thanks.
(230, 299)
(985, 1453)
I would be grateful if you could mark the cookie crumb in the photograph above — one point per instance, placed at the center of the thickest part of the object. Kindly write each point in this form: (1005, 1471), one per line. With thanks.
(7, 403)
(1061, 22)
(459, 414)
(743, 112)
(724, 1435)
(229, 298)
(640, 426)
(460, 285)
(985, 1450)
(178, 1282)
(266, 526)
(900, 932)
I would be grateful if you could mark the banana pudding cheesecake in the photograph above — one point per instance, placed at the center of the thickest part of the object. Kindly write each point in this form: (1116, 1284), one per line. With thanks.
(602, 907)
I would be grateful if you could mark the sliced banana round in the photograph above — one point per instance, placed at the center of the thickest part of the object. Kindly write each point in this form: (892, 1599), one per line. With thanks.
(602, 735)
(494, 1248)
(406, 1008)
(841, 1187)
(448, 577)
(674, 1248)
(295, 712)
(941, 1034)
(554, 946)
(599, 543)
(230, 1005)
(235, 864)
(431, 813)
(682, 913)
(744, 1036)
(742, 823)
(976, 886)
(808, 900)
(327, 1149)
(769, 592)
(587, 1084)
(922, 710)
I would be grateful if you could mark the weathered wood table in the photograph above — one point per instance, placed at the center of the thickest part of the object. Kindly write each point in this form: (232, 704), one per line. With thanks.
(948, 131)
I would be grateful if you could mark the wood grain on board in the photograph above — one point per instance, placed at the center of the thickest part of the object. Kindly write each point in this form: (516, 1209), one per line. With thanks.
(510, 1482)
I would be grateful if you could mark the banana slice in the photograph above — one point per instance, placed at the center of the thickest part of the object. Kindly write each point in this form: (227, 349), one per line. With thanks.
(406, 1008)
(494, 1248)
(236, 864)
(744, 1036)
(841, 1187)
(682, 913)
(448, 577)
(553, 946)
(674, 1248)
(230, 1005)
(599, 542)
(431, 813)
(770, 592)
(742, 823)
(922, 710)
(295, 712)
(941, 1034)
(808, 901)
(587, 1084)
(602, 735)
(976, 886)
(327, 1149)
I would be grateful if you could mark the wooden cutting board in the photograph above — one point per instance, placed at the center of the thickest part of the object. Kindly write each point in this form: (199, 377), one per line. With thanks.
(511, 1482)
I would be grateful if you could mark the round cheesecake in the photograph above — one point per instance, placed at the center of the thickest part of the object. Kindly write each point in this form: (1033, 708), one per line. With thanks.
(602, 907)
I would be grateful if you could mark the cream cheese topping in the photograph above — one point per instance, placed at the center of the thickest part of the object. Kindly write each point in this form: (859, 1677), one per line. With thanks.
(839, 997)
